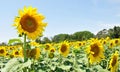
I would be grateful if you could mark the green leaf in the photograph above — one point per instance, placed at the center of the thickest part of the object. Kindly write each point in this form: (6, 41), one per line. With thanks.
(15, 65)
(65, 67)
(14, 40)
(10, 65)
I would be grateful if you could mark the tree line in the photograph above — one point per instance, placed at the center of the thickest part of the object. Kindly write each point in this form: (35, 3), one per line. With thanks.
(82, 35)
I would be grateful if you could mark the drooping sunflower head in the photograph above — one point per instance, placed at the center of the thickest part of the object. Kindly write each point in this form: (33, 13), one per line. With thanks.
(114, 62)
(30, 22)
(35, 53)
(95, 52)
(64, 49)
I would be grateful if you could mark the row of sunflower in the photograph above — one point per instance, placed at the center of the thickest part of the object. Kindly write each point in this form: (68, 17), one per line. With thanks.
(89, 55)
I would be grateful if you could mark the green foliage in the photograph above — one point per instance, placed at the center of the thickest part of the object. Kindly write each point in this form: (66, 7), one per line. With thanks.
(112, 33)
(60, 37)
(12, 41)
(102, 34)
(83, 35)
(46, 40)
(77, 36)
(116, 32)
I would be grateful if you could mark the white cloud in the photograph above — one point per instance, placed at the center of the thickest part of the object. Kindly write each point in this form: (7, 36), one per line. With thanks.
(107, 26)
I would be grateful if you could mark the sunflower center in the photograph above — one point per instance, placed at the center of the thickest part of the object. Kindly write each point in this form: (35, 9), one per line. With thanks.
(63, 48)
(52, 50)
(28, 23)
(111, 44)
(33, 52)
(116, 41)
(95, 49)
(114, 61)
(16, 53)
(83, 43)
(104, 42)
(1, 51)
(47, 47)
(80, 44)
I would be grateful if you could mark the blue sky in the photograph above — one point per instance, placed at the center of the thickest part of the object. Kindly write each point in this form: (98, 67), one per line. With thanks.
(62, 16)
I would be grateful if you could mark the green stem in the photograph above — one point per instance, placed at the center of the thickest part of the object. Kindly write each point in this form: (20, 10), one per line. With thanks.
(89, 65)
(60, 60)
(24, 48)
(75, 60)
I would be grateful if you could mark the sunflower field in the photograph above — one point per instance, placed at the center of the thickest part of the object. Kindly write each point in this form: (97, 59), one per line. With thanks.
(92, 55)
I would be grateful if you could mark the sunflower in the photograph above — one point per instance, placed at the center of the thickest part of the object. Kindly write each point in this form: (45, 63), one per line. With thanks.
(107, 38)
(64, 49)
(47, 47)
(114, 62)
(104, 42)
(117, 42)
(29, 22)
(77, 44)
(2, 51)
(17, 53)
(35, 53)
(33, 43)
(80, 44)
(111, 44)
(84, 43)
(95, 52)
(52, 50)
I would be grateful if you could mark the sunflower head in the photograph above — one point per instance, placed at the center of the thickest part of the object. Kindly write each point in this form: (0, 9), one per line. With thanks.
(117, 42)
(114, 62)
(111, 44)
(33, 43)
(35, 53)
(47, 47)
(95, 52)
(79, 44)
(2, 51)
(52, 50)
(17, 53)
(64, 49)
(104, 42)
(30, 22)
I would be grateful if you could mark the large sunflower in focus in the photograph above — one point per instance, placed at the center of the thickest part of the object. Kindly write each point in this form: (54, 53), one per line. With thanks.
(29, 22)
(114, 62)
(95, 52)
(64, 49)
